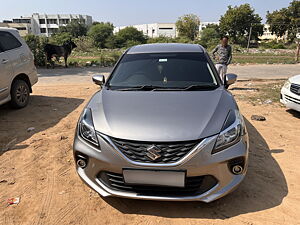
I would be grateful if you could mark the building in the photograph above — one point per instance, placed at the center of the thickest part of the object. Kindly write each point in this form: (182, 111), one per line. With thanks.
(155, 30)
(268, 36)
(47, 24)
(23, 28)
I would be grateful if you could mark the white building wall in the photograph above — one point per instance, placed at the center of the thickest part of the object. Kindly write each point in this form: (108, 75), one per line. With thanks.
(154, 30)
(51, 22)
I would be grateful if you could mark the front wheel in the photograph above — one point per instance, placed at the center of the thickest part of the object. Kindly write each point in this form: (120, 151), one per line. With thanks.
(19, 94)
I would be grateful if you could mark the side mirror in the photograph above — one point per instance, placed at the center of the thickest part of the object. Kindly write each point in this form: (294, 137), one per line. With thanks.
(99, 79)
(230, 79)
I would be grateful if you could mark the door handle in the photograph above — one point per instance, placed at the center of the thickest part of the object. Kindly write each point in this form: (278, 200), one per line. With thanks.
(4, 61)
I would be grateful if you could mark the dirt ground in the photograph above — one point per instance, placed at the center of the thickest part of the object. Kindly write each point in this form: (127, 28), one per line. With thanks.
(38, 167)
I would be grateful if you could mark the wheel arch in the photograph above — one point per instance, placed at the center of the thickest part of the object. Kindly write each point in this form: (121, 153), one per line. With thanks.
(23, 77)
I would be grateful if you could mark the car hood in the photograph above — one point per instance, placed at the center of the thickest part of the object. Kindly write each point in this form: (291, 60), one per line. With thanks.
(160, 116)
(295, 79)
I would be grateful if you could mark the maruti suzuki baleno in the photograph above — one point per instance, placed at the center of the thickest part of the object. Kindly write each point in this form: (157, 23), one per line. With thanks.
(162, 127)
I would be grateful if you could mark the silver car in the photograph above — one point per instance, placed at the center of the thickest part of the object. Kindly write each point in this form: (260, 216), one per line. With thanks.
(18, 72)
(163, 127)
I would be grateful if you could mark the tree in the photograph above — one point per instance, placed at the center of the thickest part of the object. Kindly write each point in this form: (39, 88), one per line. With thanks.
(216, 27)
(129, 36)
(238, 20)
(188, 26)
(285, 20)
(76, 28)
(60, 38)
(100, 33)
(209, 37)
(208, 34)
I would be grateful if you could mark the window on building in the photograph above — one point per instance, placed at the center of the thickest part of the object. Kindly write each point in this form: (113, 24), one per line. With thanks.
(64, 21)
(43, 30)
(51, 21)
(165, 28)
(42, 21)
(21, 20)
(8, 41)
(52, 30)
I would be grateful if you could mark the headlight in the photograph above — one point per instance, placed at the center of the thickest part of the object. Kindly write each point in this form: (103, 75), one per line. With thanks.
(232, 131)
(287, 84)
(86, 127)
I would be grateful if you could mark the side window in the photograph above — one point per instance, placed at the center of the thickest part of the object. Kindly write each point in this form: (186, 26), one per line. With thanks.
(8, 41)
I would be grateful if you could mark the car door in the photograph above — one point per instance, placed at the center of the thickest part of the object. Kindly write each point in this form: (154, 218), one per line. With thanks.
(5, 74)
(11, 60)
(18, 53)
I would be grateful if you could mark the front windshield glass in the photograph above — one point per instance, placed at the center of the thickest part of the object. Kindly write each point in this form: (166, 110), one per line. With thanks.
(165, 70)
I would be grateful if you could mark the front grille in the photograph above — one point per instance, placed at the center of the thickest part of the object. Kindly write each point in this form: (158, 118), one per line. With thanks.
(295, 88)
(291, 99)
(193, 186)
(168, 152)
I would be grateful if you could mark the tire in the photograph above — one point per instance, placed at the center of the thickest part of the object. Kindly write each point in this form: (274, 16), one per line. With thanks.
(19, 94)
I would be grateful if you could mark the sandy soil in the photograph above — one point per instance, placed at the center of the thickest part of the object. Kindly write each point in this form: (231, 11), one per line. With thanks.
(38, 167)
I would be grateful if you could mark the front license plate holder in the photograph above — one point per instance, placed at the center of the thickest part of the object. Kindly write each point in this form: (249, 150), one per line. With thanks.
(168, 178)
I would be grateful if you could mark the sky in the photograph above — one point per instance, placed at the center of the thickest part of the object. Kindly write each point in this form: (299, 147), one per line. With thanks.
(130, 12)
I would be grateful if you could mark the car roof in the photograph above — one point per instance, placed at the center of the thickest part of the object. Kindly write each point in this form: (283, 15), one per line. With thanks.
(165, 48)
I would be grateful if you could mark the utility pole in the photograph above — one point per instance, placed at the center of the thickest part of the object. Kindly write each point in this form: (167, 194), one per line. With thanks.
(249, 38)
(298, 47)
(297, 51)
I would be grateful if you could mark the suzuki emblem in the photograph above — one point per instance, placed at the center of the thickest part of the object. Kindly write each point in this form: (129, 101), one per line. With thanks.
(153, 152)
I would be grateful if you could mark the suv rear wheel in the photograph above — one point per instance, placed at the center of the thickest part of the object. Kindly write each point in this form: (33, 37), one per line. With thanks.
(19, 94)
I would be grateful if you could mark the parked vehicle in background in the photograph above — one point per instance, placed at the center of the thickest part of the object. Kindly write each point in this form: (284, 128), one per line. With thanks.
(290, 93)
(17, 70)
(163, 127)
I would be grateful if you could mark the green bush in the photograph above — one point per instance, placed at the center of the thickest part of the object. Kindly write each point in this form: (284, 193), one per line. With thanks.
(272, 45)
(109, 58)
(161, 39)
(36, 45)
(84, 44)
(129, 36)
(164, 39)
(131, 43)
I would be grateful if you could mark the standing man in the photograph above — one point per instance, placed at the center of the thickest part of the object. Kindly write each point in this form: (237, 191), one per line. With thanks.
(223, 55)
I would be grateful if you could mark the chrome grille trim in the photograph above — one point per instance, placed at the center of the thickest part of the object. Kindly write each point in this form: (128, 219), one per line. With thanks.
(187, 157)
(167, 152)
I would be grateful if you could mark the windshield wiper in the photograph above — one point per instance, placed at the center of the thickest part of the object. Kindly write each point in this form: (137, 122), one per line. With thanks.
(162, 88)
(199, 86)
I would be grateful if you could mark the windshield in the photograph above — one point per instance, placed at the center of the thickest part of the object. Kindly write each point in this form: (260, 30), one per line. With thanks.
(164, 70)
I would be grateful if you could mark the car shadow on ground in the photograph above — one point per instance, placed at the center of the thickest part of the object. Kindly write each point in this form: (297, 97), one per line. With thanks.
(41, 113)
(264, 187)
(294, 113)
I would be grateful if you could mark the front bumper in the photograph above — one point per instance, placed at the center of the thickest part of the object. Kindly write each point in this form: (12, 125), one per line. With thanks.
(33, 77)
(289, 99)
(200, 163)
